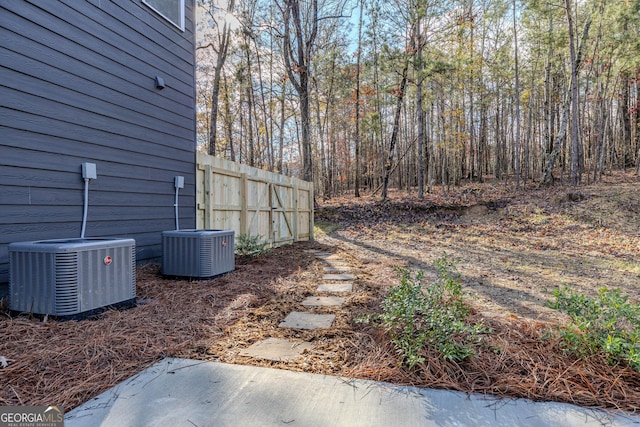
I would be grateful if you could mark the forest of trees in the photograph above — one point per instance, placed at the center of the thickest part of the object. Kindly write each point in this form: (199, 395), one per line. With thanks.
(366, 95)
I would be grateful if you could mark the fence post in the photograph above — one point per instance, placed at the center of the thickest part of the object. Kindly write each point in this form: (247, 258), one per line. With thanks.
(208, 176)
(311, 220)
(272, 231)
(243, 204)
(296, 213)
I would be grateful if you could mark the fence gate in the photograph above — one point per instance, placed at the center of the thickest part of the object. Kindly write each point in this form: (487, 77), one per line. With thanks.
(253, 202)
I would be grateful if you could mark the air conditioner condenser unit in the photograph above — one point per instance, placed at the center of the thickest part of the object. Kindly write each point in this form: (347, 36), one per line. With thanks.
(198, 254)
(71, 277)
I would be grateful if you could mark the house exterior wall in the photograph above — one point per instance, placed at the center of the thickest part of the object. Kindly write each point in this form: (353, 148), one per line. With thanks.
(77, 84)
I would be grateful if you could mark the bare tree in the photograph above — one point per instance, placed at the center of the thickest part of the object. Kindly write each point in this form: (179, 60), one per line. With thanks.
(297, 49)
(357, 130)
(571, 98)
(516, 147)
(388, 167)
(221, 48)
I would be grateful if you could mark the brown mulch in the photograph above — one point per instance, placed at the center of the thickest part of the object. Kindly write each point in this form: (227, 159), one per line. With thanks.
(515, 361)
(69, 362)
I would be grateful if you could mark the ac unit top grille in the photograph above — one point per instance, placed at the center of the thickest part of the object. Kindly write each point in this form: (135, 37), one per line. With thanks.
(68, 245)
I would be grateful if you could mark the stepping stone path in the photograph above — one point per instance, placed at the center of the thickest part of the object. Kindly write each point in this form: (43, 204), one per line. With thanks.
(323, 301)
(336, 263)
(277, 349)
(300, 320)
(337, 278)
(335, 287)
(341, 276)
(340, 269)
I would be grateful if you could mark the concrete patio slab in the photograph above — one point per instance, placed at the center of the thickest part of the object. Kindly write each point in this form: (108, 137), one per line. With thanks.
(336, 287)
(323, 301)
(277, 349)
(184, 392)
(301, 320)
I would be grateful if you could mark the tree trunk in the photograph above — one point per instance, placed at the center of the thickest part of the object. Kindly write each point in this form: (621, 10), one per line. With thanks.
(576, 60)
(574, 96)
(625, 108)
(600, 133)
(282, 121)
(357, 130)
(419, 107)
(249, 110)
(299, 64)
(637, 118)
(394, 133)
(498, 159)
(326, 193)
(223, 48)
(265, 116)
(229, 122)
(215, 90)
(516, 147)
(548, 117)
(547, 178)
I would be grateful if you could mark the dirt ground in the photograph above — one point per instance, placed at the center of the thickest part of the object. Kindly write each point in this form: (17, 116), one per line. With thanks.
(513, 247)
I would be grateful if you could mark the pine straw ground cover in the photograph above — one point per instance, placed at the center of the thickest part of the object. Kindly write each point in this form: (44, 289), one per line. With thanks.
(513, 248)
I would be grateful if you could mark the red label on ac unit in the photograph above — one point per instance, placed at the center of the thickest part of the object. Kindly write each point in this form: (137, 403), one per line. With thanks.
(107, 260)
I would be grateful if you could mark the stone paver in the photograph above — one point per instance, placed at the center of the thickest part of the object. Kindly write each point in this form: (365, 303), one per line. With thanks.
(277, 349)
(336, 287)
(300, 320)
(336, 269)
(340, 276)
(322, 255)
(336, 262)
(323, 301)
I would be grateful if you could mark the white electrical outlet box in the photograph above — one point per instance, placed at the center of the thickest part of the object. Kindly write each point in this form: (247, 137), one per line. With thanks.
(89, 171)
(179, 182)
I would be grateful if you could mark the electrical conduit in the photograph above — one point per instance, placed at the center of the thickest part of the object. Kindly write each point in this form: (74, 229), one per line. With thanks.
(85, 208)
(175, 204)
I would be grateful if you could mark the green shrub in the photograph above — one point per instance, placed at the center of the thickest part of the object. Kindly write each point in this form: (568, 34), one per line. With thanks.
(416, 316)
(251, 246)
(607, 323)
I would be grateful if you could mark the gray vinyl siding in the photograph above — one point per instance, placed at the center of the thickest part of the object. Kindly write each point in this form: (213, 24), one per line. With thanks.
(77, 85)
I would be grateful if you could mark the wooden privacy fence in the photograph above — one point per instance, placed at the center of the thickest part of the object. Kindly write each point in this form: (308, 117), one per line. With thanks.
(252, 202)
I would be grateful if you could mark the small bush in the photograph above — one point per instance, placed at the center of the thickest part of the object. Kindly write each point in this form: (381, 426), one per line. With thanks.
(416, 316)
(251, 246)
(607, 323)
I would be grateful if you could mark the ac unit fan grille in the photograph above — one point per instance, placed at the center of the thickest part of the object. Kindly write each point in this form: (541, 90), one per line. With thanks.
(197, 253)
(69, 277)
(67, 283)
(206, 254)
